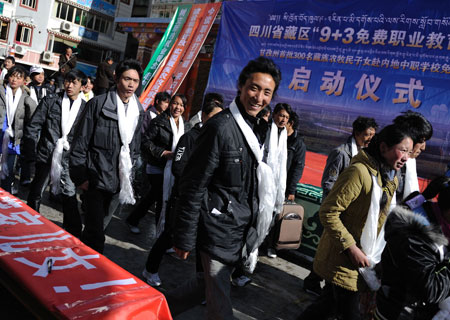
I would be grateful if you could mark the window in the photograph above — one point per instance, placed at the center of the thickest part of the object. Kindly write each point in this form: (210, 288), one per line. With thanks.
(4, 27)
(81, 17)
(113, 2)
(125, 1)
(23, 35)
(28, 3)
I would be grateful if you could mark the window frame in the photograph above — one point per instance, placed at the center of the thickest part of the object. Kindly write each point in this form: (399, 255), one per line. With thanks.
(29, 44)
(36, 2)
(8, 25)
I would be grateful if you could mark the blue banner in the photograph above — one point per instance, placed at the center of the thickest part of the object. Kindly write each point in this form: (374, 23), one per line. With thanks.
(88, 34)
(99, 5)
(341, 60)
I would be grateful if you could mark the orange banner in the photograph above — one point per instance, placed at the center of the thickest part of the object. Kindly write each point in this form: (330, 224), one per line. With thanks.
(199, 37)
(66, 277)
(164, 77)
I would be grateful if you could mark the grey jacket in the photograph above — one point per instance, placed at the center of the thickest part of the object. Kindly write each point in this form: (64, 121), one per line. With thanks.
(24, 112)
(338, 159)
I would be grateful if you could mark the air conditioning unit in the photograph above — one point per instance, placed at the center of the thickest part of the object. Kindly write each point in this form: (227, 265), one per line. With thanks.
(47, 56)
(21, 50)
(66, 26)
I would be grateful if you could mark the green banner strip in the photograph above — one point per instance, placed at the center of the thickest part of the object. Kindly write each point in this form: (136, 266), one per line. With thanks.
(166, 43)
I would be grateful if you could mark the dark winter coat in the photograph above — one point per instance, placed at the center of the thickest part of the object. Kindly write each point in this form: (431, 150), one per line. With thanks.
(414, 273)
(295, 161)
(65, 65)
(156, 140)
(218, 191)
(96, 146)
(44, 90)
(104, 77)
(184, 149)
(44, 129)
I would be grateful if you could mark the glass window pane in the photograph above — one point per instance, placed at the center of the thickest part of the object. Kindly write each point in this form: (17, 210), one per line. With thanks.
(70, 14)
(90, 21)
(19, 33)
(64, 8)
(97, 24)
(26, 35)
(83, 18)
(77, 16)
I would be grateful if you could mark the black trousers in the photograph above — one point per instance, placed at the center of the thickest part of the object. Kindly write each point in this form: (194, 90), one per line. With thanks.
(71, 215)
(334, 300)
(97, 206)
(154, 194)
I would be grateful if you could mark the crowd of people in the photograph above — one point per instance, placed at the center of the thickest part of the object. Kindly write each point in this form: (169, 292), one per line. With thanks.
(217, 182)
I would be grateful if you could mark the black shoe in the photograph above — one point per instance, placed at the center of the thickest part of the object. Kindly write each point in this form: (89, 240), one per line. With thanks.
(312, 286)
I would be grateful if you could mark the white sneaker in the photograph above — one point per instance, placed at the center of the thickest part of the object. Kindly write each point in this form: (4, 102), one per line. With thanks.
(152, 278)
(133, 229)
(271, 253)
(241, 281)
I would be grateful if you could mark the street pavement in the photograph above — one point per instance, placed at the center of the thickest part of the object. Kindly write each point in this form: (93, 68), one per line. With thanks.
(274, 293)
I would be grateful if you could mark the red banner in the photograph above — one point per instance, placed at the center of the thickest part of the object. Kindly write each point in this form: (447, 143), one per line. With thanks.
(212, 9)
(66, 277)
(163, 77)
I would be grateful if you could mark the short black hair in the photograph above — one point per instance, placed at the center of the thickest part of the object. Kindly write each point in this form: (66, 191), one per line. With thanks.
(11, 58)
(162, 96)
(90, 78)
(109, 59)
(420, 128)
(283, 106)
(266, 110)
(361, 124)
(294, 120)
(207, 108)
(263, 65)
(19, 70)
(181, 96)
(129, 64)
(76, 74)
(213, 96)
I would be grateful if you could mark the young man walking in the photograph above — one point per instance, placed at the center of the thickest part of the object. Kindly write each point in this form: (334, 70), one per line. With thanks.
(224, 192)
(106, 146)
(50, 133)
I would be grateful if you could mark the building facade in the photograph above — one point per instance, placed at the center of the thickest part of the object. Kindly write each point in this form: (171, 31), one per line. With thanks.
(36, 32)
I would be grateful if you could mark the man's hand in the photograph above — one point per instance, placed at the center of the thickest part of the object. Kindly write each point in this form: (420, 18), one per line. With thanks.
(84, 186)
(181, 253)
(291, 197)
(358, 258)
(167, 154)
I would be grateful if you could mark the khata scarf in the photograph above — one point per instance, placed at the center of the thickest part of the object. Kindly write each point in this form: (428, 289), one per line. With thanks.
(411, 182)
(266, 187)
(68, 116)
(371, 243)
(11, 107)
(169, 179)
(127, 125)
(277, 159)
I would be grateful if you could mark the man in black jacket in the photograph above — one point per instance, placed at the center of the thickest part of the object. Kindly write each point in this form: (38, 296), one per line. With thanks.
(296, 156)
(41, 139)
(104, 77)
(99, 147)
(219, 197)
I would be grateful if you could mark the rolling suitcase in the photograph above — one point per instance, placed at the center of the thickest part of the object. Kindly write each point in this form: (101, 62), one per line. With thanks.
(288, 226)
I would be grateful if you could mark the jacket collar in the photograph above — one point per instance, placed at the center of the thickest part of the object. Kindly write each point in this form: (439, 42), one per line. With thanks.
(109, 108)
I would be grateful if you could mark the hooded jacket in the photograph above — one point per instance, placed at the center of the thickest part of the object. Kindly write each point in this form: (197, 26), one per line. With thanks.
(343, 215)
(24, 112)
(415, 271)
(96, 146)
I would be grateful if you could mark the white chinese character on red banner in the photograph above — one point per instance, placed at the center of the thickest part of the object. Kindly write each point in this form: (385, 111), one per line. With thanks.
(20, 243)
(403, 89)
(50, 263)
(23, 217)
